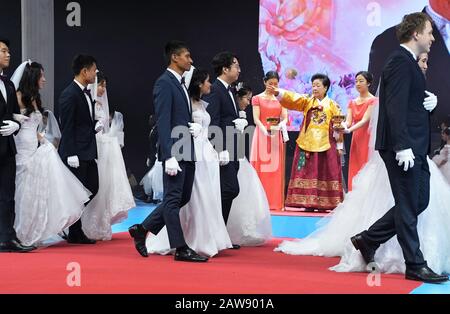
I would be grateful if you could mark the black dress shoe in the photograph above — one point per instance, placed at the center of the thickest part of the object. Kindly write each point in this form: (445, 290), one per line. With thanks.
(367, 252)
(80, 240)
(424, 274)
(14, 246)
(235, 247)
(189, 255)
(138, 233)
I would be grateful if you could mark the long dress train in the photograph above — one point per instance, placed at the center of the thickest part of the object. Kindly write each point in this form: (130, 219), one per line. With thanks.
(114, 198)
(49, 198)
(249, 223)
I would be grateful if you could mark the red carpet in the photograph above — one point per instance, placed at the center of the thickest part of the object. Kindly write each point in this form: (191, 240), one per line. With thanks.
(115, 267)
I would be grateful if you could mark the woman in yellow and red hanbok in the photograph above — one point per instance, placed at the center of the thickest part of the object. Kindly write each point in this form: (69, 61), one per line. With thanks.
(316, 176)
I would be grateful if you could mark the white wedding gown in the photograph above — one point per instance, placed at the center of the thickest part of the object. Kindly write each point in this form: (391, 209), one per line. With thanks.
(369, 200)
(153, 181)
(201, 219)
(249, 223)
(49, 198)
(444, 156)
(114, 198)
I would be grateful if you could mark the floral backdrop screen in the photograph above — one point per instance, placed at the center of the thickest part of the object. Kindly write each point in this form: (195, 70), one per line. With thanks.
(298, 38)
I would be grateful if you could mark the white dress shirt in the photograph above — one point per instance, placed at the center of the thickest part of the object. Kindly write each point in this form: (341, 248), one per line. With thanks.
(85, 95)
(229, 92)
(410, 51)
(178, 77)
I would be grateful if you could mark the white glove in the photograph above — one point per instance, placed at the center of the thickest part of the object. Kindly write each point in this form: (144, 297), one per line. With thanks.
(346, 129)
(73, 162)
(172, 167)
(224, 158)
(99, 126)
(240, 124)
(195, 129)
(284, 132)
(10, 128)
(242, 114)
(430, 102)
(406, 158)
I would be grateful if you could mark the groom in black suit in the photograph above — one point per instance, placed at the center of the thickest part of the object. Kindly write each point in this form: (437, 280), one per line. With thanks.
(403, 141)
(176, 149)
(226, 125)
(78, 147)
(8, 127)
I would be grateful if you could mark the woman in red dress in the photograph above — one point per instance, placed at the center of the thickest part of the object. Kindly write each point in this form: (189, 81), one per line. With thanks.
(267, 153)
(358, 117)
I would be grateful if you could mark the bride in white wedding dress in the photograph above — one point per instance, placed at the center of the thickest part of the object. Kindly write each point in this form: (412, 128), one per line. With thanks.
(114, 197)
(201, 218)
(49, 198)
(249, 223)
(369, 200)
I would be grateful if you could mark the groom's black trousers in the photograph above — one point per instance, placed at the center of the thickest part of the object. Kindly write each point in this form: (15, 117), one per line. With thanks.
(411, 191)
(7, 190)
(229, 186)
(87, 173)
(177, 193)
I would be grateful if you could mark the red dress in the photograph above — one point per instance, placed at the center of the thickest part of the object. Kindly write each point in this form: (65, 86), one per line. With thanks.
(360, 139)
(267, 153)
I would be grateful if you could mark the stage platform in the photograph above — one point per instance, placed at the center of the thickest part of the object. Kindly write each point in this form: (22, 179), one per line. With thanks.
(115, 267)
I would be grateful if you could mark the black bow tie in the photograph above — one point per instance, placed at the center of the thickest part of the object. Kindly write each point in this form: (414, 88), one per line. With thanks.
(87, 91)
(3, 78)
(231, 88)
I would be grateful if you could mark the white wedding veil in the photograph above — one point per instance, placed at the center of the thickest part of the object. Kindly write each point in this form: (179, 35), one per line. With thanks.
(373, 124)
(18, 73)
(49, 128)
(101, 105)
(116, 129)
(188, 76)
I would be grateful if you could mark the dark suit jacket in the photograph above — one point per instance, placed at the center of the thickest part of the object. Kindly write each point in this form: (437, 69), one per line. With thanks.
(403, 122)
(77, 126)
(7, 109)
(223, 112)
(172, 110)
(438, 80)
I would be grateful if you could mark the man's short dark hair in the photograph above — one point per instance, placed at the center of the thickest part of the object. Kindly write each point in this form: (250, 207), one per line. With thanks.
(411, 23)
(222, 60)
(174, 47)
(82, 61)
(5, 41)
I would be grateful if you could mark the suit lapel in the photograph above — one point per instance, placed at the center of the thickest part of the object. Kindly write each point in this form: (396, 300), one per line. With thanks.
(84, 100)
(2, 99)
(180, 88)
(415, 64)
(225, 91)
